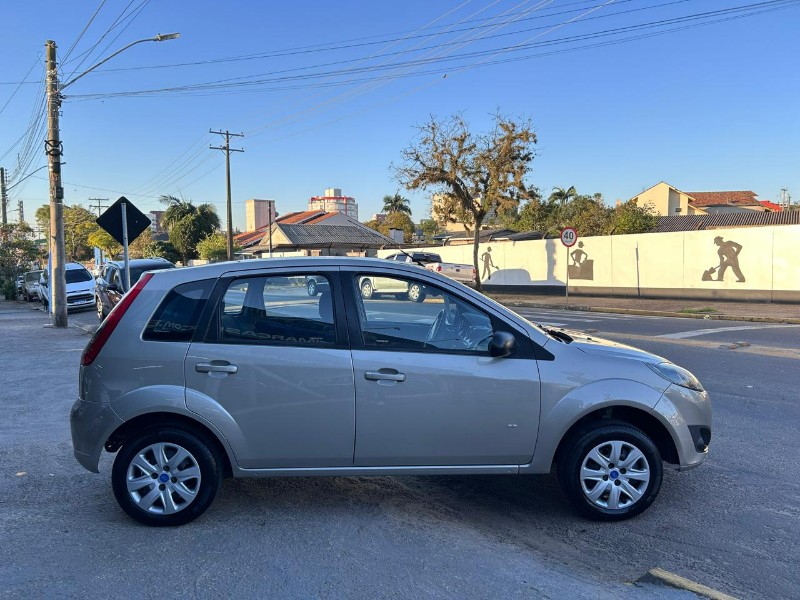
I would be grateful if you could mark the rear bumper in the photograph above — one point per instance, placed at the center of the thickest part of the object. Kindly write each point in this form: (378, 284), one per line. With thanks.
(91, 424)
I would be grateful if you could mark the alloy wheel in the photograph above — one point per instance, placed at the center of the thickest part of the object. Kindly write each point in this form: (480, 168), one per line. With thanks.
(163, 478)
(614, 475)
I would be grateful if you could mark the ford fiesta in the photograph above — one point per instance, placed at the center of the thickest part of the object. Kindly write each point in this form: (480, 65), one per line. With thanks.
(233, 369)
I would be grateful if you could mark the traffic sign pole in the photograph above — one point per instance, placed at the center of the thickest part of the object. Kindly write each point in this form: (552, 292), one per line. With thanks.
(127, 281)
(568, 237)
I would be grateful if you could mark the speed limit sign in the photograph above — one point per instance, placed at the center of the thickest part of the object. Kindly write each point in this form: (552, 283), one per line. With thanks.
(569, 236)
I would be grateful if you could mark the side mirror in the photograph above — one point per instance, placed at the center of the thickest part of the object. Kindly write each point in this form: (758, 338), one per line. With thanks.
(502, 344)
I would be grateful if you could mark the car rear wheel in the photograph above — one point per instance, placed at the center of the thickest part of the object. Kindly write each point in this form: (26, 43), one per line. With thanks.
(416, 292)
(611, 472)
(366, 289)
(312, 288)
(166, 477)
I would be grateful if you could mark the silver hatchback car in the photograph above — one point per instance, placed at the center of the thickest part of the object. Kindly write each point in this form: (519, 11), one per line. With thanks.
(233, 369)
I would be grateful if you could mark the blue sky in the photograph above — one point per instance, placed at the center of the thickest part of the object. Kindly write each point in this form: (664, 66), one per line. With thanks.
(712, 107)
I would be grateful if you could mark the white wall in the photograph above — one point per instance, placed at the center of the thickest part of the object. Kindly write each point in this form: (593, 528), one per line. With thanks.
(654, 262)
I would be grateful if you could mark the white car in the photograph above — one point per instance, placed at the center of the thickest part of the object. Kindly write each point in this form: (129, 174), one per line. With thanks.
(80, 287)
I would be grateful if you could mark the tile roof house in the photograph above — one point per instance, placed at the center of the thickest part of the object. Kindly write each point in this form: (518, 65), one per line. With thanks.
(668, 200)
(313, 233)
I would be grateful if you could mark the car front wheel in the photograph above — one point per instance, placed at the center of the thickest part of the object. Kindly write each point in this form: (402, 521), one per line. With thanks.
(166, 477)
(416, 293)
(611, 472)
(101, 313)
(312, 288)
(366, 289)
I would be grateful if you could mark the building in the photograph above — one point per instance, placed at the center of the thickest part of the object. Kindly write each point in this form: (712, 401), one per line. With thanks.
(379, 217)
(258, 213)
(312, 233)
(668, 200)
(726, 220)
(156, 228)
(489, 221)
(334, 201)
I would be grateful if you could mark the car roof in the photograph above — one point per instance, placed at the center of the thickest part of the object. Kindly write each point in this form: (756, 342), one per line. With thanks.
(71, 266)
(141, 262)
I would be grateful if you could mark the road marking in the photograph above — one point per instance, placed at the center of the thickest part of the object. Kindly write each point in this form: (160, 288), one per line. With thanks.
(662, 577)
(697, 332)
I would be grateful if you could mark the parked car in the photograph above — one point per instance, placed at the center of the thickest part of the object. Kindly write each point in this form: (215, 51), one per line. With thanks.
(110, 282)
(433, 262)
(30, 285)
(80, 287)
(224, 370)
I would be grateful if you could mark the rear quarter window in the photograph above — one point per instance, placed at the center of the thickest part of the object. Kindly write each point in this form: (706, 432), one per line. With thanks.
(178, 315)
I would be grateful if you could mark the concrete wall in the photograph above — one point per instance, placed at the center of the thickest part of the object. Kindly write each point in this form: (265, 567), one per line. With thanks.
(684, 264)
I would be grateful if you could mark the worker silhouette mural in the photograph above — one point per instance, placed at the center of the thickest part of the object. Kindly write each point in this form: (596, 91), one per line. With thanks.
(582, 266)
(728, 257)
(488, 264)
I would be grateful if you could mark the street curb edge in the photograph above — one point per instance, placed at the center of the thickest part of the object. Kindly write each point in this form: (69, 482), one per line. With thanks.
(660, 576)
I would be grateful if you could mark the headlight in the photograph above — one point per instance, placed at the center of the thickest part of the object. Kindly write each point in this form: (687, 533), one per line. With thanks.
(675, 374)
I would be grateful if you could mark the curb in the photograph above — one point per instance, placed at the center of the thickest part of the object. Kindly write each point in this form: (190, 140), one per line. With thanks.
(652, 313)
(662, 577)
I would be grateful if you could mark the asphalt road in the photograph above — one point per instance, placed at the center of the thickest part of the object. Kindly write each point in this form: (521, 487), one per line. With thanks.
(732, 524)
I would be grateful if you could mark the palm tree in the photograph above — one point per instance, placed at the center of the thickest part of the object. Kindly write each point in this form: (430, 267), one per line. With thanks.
(396, 204)
(176, 210)
(563, 196)
(188, 224)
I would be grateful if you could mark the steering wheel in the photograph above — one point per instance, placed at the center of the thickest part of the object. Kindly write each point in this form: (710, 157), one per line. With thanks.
(448, 318)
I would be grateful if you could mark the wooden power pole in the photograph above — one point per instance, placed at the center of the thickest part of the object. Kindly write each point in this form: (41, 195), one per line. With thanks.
(227, 150)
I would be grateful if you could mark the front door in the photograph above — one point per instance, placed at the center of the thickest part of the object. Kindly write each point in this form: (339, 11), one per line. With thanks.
(427, 391)
(276, 361)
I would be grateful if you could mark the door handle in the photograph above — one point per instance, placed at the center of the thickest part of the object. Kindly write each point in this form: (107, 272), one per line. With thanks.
(384, 375)
(216, 366)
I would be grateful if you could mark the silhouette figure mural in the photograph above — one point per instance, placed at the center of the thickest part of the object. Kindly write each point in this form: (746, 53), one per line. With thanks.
(582, 266)
(488, 264)
(728, 253)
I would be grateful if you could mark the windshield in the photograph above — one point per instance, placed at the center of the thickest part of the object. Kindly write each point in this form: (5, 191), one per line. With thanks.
(77, 275)
(33, 276)
(137, 273)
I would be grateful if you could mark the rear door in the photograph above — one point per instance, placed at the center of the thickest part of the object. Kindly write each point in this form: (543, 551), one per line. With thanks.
(277, 362)
(427, 391)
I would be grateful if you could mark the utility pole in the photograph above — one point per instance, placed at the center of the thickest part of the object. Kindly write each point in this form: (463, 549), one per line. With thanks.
(3, 195)
(99, 206)
(227, 149)
(58, 286)
(20, 210)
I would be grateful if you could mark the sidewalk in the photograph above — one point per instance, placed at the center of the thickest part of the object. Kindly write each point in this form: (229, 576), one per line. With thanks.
(668, 307)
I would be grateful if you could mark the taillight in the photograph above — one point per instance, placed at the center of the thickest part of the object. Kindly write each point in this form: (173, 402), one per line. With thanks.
(107, 327)
(438, 268)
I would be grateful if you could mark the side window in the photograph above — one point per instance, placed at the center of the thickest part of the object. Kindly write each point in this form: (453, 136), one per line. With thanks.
(116, 278)
(399, 313)
(176, 318)
(277, 311)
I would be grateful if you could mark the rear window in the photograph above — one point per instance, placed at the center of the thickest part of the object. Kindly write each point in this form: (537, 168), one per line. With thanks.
(137, 273)
(77, 275)
(176, 318)
(32, 276)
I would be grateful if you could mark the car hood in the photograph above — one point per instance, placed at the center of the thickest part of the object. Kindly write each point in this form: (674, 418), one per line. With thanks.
(82, 286)
(591, 344)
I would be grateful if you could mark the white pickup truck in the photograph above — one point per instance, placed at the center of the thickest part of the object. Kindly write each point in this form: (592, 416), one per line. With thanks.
(433, 262)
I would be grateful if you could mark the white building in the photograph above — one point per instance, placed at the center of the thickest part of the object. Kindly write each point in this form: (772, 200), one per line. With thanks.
(257, 213)
(333, 201)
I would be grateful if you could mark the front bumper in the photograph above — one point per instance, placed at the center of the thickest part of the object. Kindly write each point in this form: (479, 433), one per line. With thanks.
(687, 413)
(91, 423)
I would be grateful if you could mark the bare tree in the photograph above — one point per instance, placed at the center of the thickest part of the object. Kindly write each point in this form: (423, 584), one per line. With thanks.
(473, 174)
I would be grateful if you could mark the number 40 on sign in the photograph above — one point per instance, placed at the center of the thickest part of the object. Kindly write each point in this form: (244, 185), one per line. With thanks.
(569, 236)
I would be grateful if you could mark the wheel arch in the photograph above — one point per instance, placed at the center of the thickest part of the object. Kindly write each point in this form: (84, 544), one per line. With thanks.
(155, 420)
(631, 415)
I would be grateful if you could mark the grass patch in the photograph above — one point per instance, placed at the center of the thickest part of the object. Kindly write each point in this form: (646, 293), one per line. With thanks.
(698, 311)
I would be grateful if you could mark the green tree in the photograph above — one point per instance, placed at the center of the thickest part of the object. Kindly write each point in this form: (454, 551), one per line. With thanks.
(103, 240)
(188, 224)
(140, 247)
(215, 247)
(429, 228)
(17, 253)
(396, 204)
(629, 217)
(398, 220)
(473, 173)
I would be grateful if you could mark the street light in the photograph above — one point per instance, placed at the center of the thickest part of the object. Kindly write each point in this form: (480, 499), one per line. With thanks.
(58, 291)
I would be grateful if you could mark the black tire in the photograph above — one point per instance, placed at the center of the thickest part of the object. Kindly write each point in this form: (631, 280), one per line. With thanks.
(101, 312)
(572, 458)
(416, 292)
(366, 289)
(201, 453)
(312, 288)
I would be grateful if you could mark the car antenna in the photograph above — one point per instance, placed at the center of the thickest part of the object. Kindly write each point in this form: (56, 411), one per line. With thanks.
(414, 260)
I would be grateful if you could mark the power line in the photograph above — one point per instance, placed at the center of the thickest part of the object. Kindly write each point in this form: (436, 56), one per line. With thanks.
(80, 35)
